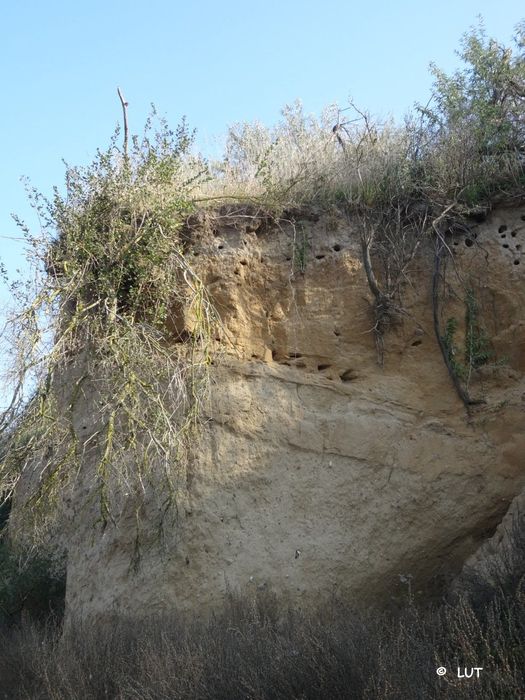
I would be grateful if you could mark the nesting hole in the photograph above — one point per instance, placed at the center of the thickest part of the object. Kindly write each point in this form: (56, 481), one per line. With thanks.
(321, 368)
(505, 245)
(516, 262)
(416, 343)
(502, 228)
(319, 257)
(243, 262)
(513, 234)
(469, 242)
(336, 247)
(348, 375)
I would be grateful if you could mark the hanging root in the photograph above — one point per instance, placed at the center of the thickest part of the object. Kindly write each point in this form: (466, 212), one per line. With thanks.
(436, 277)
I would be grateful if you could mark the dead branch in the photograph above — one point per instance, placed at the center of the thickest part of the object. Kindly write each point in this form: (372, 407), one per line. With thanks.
(125, 114)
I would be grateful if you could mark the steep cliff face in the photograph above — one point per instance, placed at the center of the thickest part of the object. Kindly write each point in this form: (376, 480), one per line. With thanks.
(317, 471)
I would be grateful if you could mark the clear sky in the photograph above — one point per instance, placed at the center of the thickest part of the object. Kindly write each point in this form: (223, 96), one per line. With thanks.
(216, 62)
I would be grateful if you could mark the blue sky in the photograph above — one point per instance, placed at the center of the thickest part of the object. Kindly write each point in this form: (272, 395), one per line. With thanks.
(217, 63)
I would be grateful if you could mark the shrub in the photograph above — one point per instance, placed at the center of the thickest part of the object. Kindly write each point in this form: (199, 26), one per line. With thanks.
(31, 584)
(475, 134)
(111, 277)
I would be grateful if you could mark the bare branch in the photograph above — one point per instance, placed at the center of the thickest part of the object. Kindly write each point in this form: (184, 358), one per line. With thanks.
(125, 113)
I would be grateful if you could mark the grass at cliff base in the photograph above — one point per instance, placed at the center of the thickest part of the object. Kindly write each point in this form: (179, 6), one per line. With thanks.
(251, 650)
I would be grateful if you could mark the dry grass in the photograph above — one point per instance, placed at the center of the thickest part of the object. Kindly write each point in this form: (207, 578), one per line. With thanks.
(303, 160)
(250, 651)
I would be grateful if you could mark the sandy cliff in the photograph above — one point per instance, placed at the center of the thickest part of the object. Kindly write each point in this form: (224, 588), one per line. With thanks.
(317, 471)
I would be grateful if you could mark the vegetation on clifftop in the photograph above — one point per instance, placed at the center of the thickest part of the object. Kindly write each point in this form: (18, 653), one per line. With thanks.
(465, 147)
